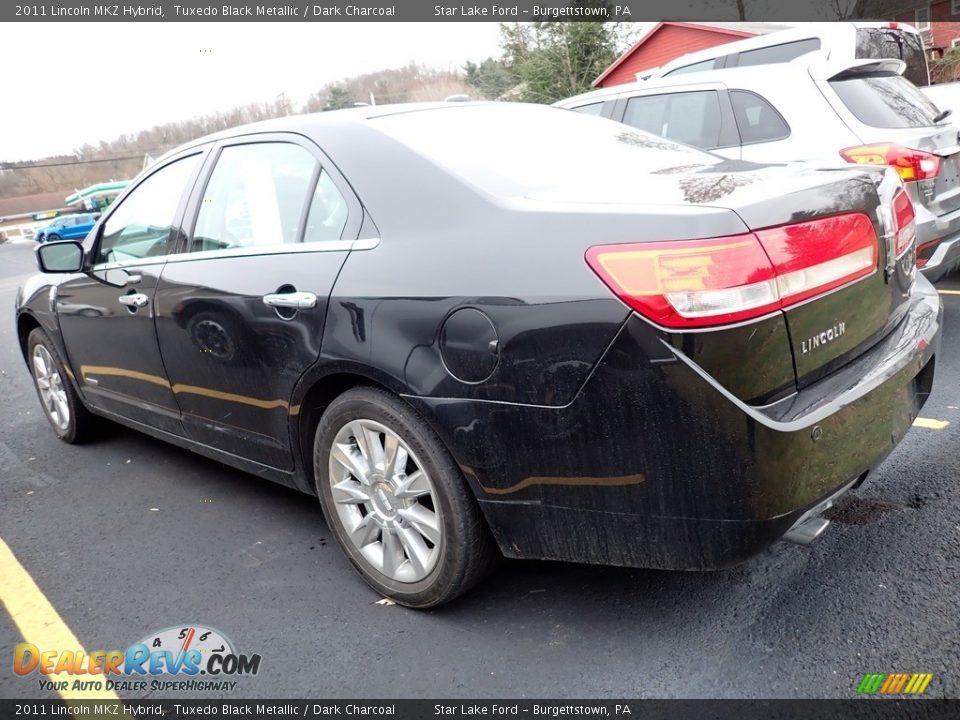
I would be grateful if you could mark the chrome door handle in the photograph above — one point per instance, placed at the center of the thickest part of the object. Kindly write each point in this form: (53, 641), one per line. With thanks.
(291, 300)
(137, 300)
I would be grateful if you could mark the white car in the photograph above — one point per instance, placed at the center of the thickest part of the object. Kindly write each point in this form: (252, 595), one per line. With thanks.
(841, 41)
(946, 96)
(811, 109)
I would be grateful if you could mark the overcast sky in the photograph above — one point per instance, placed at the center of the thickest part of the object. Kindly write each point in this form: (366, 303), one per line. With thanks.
(71, 83)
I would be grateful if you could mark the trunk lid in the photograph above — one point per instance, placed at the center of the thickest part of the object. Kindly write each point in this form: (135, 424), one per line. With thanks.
(831, 329)
(822, 332)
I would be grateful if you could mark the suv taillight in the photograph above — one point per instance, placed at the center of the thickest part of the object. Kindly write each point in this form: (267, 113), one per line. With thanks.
(701, 283)
(911, 165)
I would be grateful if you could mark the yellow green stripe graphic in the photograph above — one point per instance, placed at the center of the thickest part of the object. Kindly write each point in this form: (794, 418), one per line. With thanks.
(894, 683)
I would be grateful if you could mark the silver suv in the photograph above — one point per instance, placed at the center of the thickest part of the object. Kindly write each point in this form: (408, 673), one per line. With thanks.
(811, 109)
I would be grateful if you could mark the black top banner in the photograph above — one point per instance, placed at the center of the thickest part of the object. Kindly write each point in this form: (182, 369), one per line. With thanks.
(488, 709)
(432, 10)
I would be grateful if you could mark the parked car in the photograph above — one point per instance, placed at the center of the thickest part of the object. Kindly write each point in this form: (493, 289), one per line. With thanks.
(946, 96)
(67, 227)
(844, 41)
(627, 352)
(862, 111)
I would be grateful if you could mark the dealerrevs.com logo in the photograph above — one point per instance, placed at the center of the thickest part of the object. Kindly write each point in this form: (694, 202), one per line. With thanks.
(184, 652)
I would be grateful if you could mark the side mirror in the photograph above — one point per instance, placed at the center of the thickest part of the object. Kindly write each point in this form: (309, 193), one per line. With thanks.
(60, 257)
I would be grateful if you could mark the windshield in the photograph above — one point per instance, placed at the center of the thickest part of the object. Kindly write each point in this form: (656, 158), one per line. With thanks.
(883, 43)
(885, 101)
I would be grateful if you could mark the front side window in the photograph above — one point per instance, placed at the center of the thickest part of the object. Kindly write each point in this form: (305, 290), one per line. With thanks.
(255, 197)
(142, 225)
(692, 118)
(757, 120)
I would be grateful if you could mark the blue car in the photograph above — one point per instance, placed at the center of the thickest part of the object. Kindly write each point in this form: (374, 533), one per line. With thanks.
(68, 227)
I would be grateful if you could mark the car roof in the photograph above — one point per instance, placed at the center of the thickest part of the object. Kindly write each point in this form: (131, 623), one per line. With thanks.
(745, 76)
(830, 31)
(306, 124)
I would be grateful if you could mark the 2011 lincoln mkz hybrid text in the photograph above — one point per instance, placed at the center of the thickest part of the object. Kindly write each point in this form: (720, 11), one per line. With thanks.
(475, 329)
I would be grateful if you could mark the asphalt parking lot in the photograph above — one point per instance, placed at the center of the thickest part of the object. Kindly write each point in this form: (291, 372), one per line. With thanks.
(128, 535)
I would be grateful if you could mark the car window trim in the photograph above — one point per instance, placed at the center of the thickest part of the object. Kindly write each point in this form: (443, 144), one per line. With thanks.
(176, 227)
(355, 210)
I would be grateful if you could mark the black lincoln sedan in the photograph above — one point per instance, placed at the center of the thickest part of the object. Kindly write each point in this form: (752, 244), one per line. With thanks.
(476, 329)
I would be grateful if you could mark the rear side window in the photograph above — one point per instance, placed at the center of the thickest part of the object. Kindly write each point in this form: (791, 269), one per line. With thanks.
(778, 53)
(757, 120)
(696, 67)
(885, 101)
(592, 109)
(882, 43)
(692, 118)
(256, 196)
(328, 212)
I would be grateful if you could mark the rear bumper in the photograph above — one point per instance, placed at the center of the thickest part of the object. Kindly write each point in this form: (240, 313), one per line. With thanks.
(654, 464)
(946, 255)
(942, 255)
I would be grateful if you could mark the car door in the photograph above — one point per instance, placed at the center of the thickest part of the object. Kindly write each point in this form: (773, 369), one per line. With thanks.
(77, 228)
(73, 227)
(67, 226)
(107, 315)
(241, 308)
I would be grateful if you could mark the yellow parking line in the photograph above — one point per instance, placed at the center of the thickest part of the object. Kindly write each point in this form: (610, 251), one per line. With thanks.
(930, 423)
(949, 292)
(40, 624)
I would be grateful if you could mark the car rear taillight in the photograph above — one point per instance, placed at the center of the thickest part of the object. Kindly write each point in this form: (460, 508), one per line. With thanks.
(700, 283)
(911, 165)
(905, 225)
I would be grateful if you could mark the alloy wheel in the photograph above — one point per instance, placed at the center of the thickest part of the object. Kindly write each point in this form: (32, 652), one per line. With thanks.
(385, 501)
(50, 384)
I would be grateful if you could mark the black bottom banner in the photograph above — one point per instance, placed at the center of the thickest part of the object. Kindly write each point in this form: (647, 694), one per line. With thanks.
(868, 709)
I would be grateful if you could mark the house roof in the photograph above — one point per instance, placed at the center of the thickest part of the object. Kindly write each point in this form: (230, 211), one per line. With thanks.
(735, 30)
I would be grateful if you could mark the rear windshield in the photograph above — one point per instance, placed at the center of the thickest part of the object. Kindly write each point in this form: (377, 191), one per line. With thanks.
(885, 101)
(510, 149)
(883, 43)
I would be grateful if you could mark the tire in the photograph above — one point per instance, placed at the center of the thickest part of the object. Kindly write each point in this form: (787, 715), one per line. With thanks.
(423, 546)
(68, 417)
(52, 238)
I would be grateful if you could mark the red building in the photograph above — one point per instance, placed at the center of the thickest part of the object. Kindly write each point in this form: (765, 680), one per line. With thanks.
(938, 23)
(667, 41)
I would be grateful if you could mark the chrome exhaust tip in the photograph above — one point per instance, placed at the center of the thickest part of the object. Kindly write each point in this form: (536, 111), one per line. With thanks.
(807, 530)
(810, 525)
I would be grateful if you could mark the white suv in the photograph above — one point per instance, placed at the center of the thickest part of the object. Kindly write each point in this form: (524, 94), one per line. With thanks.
(810, 109)
(844, 41)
